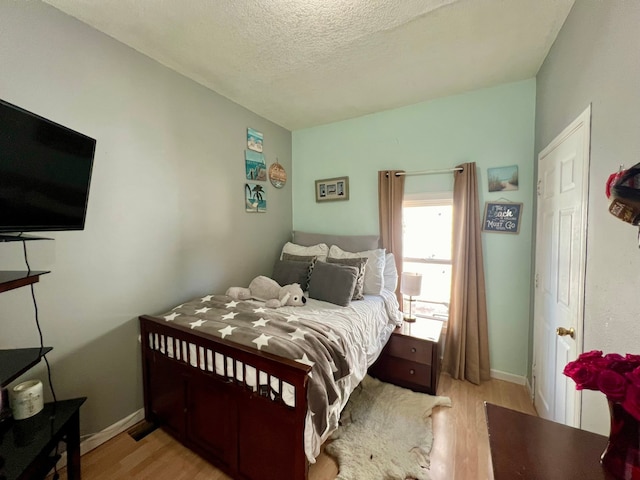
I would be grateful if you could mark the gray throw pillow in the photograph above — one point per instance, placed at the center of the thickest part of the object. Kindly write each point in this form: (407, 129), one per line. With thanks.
(310, 259)
(286, 272)
(333, 283)
(360, 264)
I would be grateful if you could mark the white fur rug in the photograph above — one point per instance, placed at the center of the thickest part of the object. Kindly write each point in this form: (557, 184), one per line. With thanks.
(385, 433)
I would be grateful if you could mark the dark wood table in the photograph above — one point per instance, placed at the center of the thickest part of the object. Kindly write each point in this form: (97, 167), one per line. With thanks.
(26, 445)
(411, 358)
(529, 447)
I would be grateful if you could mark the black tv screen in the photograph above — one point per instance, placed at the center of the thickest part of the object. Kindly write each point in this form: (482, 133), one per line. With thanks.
(45, 171)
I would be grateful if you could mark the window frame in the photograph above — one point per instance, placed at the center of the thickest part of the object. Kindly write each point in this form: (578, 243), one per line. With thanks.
(435, 199)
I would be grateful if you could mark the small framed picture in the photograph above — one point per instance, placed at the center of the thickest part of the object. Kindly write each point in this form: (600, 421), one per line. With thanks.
(254, 140)
(331, 189)
(503, 178)
(255, 166)
(255, 198)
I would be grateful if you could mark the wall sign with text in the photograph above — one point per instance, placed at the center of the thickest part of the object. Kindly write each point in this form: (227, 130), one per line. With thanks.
(502, 217)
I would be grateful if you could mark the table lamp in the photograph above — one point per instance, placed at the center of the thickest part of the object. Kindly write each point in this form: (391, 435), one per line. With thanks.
(411, 286)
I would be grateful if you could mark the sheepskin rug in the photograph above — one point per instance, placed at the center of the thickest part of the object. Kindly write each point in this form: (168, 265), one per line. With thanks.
(385, 433)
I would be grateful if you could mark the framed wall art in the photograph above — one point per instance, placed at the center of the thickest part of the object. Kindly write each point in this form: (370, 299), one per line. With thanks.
(255, 198)
(502, 217)
(254, 140)
(255, 166)
(332, 189)
(503, 178)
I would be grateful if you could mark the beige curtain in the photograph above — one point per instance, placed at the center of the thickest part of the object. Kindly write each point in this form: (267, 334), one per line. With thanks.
(466, 354)
(390, 195)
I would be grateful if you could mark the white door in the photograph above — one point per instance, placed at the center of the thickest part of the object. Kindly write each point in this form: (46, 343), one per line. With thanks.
(563, 172)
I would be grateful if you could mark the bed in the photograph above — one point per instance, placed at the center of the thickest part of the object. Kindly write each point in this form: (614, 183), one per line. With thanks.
(257, 391)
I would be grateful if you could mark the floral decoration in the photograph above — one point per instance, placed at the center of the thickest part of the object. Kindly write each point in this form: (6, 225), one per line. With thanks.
(616, 376)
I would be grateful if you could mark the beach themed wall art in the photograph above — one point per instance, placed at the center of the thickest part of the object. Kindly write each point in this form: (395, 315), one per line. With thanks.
(503, 179)
(254, 140)
(255, 166)
(277, 175)
(502, 217)
(255, 198)
(332, 189)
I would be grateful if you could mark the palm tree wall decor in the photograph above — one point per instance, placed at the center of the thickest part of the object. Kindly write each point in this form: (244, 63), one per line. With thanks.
(255, 198)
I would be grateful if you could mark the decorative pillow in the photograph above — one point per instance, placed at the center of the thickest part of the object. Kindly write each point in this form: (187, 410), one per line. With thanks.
(299, 258)
(308, 259)
(286, 272)
(360, 264)
(333, 283)
(373, 275)
(320, 250)
(390, 273)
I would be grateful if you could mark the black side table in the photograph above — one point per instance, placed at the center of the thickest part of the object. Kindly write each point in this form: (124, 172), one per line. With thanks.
(26, 446)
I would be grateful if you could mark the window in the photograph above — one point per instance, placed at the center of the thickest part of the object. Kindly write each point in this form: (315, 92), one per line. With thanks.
(426, 237)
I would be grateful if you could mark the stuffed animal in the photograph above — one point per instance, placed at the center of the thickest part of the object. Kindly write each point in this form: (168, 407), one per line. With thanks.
(269, 291)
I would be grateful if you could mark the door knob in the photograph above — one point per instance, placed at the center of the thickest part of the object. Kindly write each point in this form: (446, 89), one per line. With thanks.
(561, 331)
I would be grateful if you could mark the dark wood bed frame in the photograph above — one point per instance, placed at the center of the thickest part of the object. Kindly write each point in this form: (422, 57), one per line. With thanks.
(248, 433)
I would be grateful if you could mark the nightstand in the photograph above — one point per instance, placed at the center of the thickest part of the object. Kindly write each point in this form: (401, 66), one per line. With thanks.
(411, 358)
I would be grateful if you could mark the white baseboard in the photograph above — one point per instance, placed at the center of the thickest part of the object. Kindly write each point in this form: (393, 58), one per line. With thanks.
(508, 377)
(94, 440)
(529, 389)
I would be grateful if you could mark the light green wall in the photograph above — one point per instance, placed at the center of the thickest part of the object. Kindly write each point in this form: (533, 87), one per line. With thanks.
(492, 127)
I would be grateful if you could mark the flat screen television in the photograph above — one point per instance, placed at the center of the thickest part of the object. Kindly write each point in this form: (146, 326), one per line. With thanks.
(45, 171)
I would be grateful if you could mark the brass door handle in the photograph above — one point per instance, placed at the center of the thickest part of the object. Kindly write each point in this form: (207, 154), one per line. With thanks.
(561, 331)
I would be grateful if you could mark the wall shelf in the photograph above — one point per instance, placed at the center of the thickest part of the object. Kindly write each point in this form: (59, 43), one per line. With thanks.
(21, 238)
(16, 361)
(10, 279)
(27, 446)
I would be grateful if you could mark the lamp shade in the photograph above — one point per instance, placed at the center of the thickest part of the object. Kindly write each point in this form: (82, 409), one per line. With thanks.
(411, 284)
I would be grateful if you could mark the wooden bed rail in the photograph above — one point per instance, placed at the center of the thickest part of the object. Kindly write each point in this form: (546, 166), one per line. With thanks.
(242, 409)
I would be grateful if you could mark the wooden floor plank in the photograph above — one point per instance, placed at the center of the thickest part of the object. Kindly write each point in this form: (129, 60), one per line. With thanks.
(460, 448)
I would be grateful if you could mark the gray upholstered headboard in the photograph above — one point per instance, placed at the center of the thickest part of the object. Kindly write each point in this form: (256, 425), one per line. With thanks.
(349, 243)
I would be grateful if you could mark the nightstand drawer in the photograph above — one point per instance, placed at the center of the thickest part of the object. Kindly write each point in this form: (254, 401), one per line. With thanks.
(409, 348)
(404, 373)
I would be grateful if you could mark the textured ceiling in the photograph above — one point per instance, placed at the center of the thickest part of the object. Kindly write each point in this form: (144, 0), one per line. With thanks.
(302, 63)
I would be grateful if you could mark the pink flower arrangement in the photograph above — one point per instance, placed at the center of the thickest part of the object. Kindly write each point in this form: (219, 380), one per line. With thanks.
(616, 376)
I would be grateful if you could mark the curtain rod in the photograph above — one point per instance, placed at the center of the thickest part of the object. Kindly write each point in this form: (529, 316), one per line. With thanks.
(430, 172)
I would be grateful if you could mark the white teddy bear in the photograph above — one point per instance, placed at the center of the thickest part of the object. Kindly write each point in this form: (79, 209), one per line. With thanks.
(269, 291)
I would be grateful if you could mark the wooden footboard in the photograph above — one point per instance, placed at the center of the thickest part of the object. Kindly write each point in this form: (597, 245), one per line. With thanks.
(241, 409)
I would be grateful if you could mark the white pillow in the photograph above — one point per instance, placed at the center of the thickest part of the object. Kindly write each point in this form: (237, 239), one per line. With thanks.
(373, 272)
(321, 250)
(390, 273)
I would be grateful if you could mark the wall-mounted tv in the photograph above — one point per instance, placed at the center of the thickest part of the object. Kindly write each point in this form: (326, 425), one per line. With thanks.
(45, 171)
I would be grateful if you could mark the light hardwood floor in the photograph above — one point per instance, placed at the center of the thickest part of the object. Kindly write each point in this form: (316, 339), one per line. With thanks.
(460, 448)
